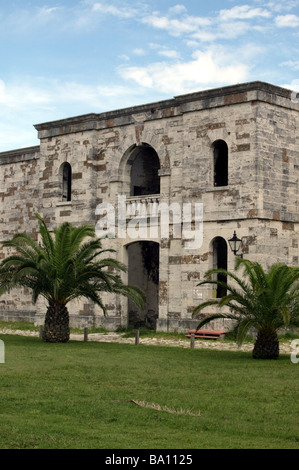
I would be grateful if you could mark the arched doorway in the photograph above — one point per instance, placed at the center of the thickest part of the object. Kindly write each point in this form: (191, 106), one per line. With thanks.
(143, 272)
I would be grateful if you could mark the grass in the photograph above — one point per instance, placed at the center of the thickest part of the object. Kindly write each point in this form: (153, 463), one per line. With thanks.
(118, 396)
(18, 325)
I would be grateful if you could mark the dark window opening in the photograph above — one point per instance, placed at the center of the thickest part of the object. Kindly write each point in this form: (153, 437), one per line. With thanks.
(66, 182)
(220, 163)
(144, 172)
(220, 262)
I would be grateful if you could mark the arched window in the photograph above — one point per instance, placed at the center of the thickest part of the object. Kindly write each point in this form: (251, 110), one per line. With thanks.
(144, 171)
(220, 262)
(220, 163)
(66, 172)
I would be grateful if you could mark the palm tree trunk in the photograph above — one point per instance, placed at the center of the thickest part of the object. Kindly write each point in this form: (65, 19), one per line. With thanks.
(266, 346)
(56, 327)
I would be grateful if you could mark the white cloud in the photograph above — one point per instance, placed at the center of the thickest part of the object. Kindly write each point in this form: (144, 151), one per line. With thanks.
(177, 9)
(20, 96)
(122, 12)
(139, 51)
(207, 36)
(16, 135)
(287, 21)
(191, 43)
(282, 5)
(243, 12)
(293, 64)
(164, 51)
(226, 24)
(294, 86)
(227, 30)
(124, 57)
(44, 11)
(171, 54)
(175, 27)
(47, 97)
(205, 69)
(74, 17)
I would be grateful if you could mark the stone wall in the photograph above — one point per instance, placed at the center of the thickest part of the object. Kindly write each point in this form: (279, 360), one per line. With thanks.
(19, 174)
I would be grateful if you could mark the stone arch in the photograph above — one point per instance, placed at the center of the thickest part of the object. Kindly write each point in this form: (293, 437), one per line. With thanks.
(139, 170)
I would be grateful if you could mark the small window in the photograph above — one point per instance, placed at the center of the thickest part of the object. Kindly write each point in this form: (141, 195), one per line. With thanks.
(220, 262)
(66, 182)
(220, 163)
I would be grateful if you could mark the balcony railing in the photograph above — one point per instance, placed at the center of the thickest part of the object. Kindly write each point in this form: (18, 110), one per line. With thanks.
(142, 206)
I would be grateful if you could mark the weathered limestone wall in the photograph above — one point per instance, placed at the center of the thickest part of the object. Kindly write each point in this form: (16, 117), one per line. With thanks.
(19, 176)
(277, 161)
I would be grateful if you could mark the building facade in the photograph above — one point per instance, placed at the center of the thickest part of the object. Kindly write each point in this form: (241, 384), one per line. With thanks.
(173, 180)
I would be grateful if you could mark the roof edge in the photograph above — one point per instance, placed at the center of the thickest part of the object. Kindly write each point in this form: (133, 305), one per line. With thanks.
(175, 101)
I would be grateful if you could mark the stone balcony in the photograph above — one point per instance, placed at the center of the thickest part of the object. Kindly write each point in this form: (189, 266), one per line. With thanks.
(142, 206)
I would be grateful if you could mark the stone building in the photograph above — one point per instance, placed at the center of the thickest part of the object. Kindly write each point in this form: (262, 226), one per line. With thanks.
(232, 153)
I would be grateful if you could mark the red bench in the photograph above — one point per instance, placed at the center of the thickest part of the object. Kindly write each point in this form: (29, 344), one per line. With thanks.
(206, 334)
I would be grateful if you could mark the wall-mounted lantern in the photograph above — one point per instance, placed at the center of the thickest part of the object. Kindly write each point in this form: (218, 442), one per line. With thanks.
(235, 244)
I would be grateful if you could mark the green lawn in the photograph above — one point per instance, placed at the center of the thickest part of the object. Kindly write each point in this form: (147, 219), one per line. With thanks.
(78, 395)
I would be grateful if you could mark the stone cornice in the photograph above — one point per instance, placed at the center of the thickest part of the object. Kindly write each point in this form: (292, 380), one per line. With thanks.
(12, 156)
(224, 96)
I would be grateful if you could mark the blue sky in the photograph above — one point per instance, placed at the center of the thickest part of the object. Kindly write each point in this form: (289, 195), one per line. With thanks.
(66, 58)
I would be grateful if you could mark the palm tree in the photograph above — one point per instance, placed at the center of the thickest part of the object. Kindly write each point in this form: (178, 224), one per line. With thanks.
(62, 268)
(265, 301)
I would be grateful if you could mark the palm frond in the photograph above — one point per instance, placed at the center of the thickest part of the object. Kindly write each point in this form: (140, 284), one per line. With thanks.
(261, 299)
(70, 263)
(46, 236)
